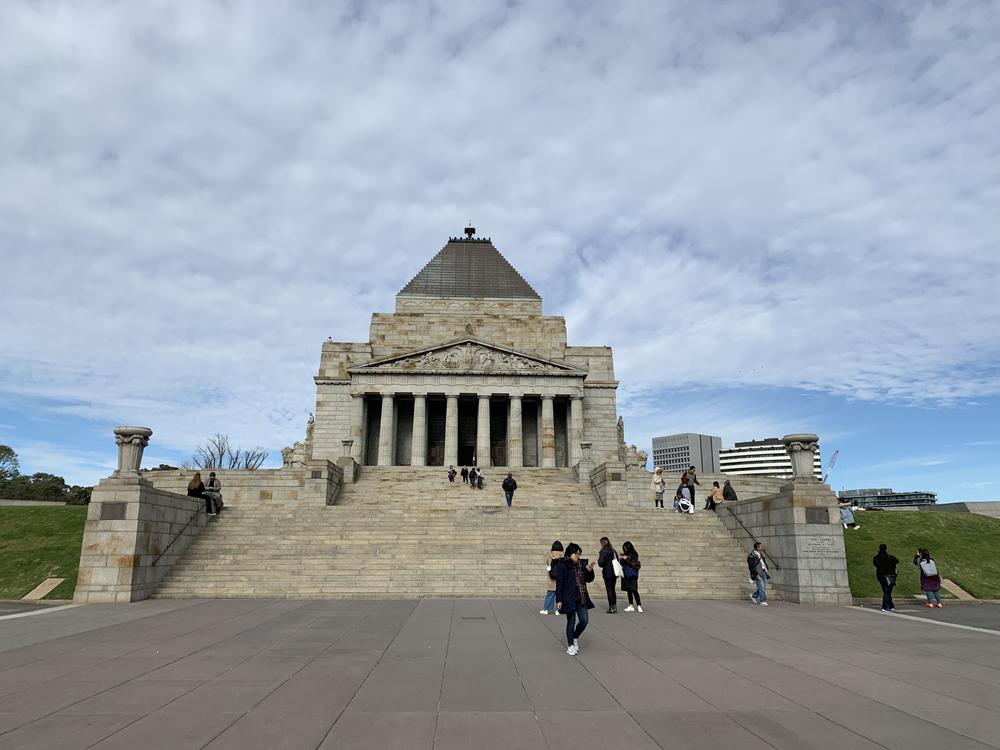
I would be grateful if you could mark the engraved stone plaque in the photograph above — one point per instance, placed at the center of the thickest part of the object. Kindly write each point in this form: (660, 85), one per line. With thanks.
(817, 515)
(112, 511)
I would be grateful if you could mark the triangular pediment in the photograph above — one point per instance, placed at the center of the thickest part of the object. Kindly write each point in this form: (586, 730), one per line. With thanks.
(468, 356)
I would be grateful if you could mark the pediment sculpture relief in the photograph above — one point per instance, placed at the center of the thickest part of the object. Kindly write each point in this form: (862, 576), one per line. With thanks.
(468, 357)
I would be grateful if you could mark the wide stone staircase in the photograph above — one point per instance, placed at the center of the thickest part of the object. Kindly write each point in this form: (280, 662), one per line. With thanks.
(402, 532)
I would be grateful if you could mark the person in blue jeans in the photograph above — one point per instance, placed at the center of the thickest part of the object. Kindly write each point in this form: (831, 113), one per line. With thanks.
(758, 574)
(553, 558)
(572, 598)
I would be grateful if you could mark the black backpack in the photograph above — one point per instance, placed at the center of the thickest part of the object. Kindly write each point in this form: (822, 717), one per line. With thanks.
(555, 567)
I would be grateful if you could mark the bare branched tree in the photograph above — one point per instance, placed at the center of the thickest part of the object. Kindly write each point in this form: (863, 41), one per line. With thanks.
(218, 453)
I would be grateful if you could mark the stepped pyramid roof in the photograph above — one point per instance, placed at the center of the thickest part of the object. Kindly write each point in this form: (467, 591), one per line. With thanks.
(469, 267)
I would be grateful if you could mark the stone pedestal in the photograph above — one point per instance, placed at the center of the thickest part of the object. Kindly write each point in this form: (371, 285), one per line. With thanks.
(131, 441)
(586, 464)
(802, 449)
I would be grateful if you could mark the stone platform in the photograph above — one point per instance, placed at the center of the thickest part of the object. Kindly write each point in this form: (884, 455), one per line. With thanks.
(492, 674)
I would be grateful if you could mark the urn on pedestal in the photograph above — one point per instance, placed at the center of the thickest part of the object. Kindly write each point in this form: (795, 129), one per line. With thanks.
(131, 442)
(802, 449)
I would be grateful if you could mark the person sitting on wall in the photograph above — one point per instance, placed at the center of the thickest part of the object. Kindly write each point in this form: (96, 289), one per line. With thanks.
(196, 488)
(214, 492)
(728, 493)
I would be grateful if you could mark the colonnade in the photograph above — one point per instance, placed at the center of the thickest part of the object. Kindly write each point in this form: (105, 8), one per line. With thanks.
(514, 438)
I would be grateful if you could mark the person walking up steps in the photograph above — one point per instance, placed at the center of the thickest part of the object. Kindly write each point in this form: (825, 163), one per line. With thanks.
(553, 559)
(509, 485)
(930, 579)
(658, 485)
(885, 573)
(758, 574)
(629, 559)
(611, 571)
(572, 598)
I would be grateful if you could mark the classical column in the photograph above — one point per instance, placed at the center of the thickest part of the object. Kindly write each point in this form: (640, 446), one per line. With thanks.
(451, 432)
(515, 443)
(385, 441)
(483, 432)
(419, 456)
(548, 434)
(357, 426)
(575, 428)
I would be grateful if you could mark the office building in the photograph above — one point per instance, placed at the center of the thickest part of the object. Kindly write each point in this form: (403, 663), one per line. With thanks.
(766, 458)
(675, 453)
(886, 498)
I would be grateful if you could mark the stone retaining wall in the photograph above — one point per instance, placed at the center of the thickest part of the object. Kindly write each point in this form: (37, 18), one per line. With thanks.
(133, 534)
(801, 531)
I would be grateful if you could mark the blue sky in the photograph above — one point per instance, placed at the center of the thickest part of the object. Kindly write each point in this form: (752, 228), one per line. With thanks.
(782, 216)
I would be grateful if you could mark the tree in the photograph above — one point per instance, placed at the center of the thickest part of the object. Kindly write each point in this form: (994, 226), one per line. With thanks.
(218, 453)
(9, 466)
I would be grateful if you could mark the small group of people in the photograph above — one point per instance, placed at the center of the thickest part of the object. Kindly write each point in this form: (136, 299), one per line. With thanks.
(476, 478)
(568, 575)
(886, 571)
(212, 494)
(684, 497)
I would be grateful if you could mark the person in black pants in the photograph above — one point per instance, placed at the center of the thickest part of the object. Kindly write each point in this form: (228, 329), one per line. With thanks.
(885, 573)
(630, 576)
(604, 562)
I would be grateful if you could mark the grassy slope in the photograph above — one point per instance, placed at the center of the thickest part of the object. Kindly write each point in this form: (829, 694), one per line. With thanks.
(37, 543)
(966, 547)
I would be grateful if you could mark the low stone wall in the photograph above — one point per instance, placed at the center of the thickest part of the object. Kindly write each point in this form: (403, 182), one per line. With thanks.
(747, 487)
(315, 483)
(133, 534)
(609, 482)
(991, 509)
(800, 528)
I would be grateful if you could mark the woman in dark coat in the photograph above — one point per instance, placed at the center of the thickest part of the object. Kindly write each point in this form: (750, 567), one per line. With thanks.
(572, 598)
(630, 576)
(196, 488)
(604, 562)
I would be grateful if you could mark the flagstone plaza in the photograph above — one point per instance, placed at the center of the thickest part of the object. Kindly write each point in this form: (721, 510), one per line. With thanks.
(492, 674)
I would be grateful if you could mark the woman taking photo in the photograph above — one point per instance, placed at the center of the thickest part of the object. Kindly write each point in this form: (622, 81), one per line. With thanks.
(630, 576)
(930, 579)
(572, 598)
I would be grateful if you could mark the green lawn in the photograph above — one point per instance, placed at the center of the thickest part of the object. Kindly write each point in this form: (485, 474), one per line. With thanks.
(966, 547)
(37, 543)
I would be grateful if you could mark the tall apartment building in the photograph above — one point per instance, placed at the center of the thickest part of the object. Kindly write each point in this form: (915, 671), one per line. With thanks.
(762, 458)
(675, 453)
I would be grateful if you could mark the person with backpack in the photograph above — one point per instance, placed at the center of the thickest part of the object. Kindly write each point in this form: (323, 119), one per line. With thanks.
(509, 485)
(930, 579)
(758, 574)
(473, 475)
(629, 560)
(553, 558)
(572, 598)
(885, 573)
(611, 571)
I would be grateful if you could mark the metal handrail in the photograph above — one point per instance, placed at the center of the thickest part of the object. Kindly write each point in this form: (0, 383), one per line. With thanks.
(177, 536)
(770, 560)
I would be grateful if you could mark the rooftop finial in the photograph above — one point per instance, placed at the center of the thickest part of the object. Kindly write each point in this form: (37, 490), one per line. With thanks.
(470, 231)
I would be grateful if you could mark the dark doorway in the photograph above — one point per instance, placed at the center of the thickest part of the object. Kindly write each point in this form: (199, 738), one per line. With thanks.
(560, 412)
(529, 431)
(467, 408)
(404, 432)
(436, 412)
(498, 431)
(374, 422)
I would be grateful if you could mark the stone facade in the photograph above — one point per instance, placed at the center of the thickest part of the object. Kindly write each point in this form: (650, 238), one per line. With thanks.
(455, 376)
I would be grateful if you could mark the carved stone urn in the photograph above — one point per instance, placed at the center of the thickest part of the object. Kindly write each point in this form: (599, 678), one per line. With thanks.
(131, 442)
(802, 449)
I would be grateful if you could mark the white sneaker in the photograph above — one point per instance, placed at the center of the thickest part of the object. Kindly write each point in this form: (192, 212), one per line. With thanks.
(630, 608)
(558, 613)
(638, 609)
(543, 611)
(572, 650)
(763, 604)
(576, 644)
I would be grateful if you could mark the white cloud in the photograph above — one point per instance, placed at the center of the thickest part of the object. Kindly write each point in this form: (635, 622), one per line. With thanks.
(198, 194)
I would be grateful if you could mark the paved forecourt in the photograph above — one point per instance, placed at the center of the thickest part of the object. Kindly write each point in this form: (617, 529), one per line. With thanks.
(491, 674)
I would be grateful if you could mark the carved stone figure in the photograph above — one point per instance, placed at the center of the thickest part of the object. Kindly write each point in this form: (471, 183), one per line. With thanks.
(468, 357)
(622, 449)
